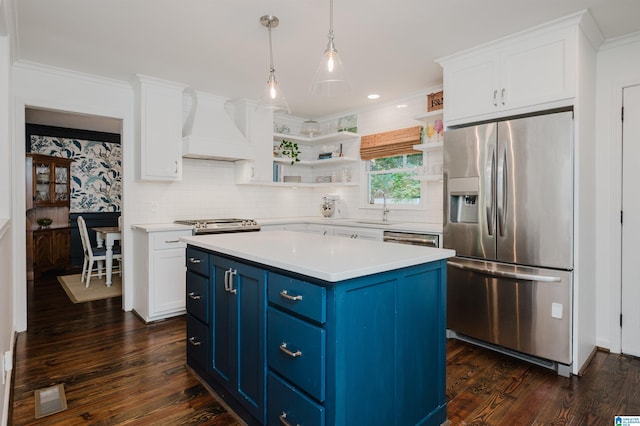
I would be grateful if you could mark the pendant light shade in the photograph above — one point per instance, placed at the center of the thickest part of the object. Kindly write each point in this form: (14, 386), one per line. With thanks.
(331, 77)
(272, 97)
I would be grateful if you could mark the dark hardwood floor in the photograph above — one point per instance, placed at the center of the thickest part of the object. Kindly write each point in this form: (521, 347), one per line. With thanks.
(116, 370)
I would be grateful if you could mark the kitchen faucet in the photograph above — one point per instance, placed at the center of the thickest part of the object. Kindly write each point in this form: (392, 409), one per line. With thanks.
(385, 210)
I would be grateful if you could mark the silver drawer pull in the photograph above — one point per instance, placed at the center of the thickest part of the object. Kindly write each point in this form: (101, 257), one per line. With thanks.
(283, 420)
(194, 341)
(171, 241)
(194, 296)
(283, 348)
(194, 260)
(286, 295)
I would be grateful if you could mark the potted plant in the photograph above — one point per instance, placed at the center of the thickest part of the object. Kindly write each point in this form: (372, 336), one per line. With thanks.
(290, 149)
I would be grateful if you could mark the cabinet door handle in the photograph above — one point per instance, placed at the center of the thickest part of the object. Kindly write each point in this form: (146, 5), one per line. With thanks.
(194, 341)
(283, 348)
(194, 260)
(286, 295)
(171, 241)
(495, 98)
(228, 280)
(194, 296)
(283, 420)
(502, 95)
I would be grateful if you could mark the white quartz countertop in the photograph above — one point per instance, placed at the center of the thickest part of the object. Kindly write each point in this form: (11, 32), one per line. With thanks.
(324, 257)
(161, 227)
(393, 225)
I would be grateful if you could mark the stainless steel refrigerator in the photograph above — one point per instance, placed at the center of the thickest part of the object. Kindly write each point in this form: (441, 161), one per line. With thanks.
(508, 214)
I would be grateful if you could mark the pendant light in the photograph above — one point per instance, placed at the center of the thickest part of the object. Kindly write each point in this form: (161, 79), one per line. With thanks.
(272, 97)
(331, 77)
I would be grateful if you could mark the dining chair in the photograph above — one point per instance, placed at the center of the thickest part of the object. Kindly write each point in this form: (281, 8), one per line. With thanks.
(95, 255)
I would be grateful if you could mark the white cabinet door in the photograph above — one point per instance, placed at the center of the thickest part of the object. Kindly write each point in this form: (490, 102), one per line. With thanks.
(510, 77)
(159, 273)
(360, 233)
(319, 229)
(470, 87)
(168, 287)
(258, 128)
(160, 106)
(537, 72)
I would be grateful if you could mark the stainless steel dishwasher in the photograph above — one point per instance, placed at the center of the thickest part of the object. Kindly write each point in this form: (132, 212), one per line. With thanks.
(413, 238)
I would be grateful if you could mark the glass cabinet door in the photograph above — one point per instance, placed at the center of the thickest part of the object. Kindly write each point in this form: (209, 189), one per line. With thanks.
(43, 182)
(61, 183)
(51, 181)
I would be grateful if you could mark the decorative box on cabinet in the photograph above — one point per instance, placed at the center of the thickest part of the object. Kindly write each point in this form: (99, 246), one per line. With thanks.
(159, 273)
(160, 129)
(514, 75)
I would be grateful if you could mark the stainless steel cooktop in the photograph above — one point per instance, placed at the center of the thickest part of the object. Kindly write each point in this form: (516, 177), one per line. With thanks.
(218, 226)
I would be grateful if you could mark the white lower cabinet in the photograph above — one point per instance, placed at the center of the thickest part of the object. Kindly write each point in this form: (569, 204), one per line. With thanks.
(299, 227)
(338, 231)
(315, 228)
(355, 232)
(159, 273)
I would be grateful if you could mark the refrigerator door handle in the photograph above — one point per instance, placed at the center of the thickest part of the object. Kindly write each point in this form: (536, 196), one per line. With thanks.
(490, 190)
(505, 274)
(502, 190)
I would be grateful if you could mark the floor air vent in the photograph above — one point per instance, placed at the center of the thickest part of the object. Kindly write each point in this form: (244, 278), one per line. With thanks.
(50, 400)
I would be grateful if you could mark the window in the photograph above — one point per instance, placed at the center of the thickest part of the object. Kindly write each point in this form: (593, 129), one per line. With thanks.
(394, 177)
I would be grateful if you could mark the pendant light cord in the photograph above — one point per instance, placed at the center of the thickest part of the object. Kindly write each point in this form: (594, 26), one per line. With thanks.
(271, 68)
(331, 20)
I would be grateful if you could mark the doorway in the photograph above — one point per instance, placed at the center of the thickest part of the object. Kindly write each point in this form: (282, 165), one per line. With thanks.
(94, 145)
(630, 218)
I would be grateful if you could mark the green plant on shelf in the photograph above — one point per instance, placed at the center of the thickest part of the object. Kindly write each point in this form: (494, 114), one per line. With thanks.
(290, 149)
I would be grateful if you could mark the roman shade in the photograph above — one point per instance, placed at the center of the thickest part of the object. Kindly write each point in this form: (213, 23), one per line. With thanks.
(390, 144)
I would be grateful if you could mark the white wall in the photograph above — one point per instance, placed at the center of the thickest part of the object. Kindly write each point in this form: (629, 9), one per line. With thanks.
(6, 233)
(54, 89)
(618, 67)
(380, 118)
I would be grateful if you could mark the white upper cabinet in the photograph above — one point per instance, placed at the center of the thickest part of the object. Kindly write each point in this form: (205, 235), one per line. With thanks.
(257, 124)
(533, 70)
(160, 129)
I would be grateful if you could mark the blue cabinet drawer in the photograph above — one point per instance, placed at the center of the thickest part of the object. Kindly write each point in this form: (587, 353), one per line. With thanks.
(198, 296)
(297, 350)
(287, 404)
(298, 296)
(197, 261)
(197, 341)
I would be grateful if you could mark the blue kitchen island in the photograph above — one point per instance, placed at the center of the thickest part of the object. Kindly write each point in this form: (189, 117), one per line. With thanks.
(292, 328)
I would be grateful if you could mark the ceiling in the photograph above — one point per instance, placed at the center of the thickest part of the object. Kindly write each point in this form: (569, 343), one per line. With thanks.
(219, 46)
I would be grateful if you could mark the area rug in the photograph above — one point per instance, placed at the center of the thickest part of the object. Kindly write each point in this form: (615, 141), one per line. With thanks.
(97, 290)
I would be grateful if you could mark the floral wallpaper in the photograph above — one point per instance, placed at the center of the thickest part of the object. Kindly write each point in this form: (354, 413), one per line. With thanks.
(96, 184)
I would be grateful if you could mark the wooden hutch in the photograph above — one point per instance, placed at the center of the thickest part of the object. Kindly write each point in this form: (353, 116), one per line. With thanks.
(48, 192)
